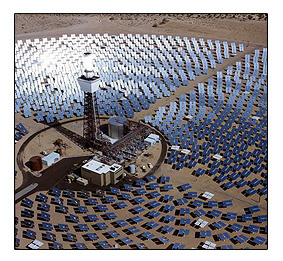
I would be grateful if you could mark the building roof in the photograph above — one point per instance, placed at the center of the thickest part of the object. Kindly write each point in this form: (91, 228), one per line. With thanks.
(154, 136)
(117, 121)
(93, 78)
(149, 140)
(51, 156)
(101, 168)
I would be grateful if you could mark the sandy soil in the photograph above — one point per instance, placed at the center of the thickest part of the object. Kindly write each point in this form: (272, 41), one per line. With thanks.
(232, 27)
(143, 160)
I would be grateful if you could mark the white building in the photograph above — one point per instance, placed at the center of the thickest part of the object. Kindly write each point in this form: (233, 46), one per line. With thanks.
(152, 139)
(51, 159)
(101, 174)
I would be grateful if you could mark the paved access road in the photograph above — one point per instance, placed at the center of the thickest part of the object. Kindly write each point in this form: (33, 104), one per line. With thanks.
(25, 190)
(50, 177)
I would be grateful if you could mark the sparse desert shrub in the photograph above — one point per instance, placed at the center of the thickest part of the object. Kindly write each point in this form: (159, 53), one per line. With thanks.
(154, 25)
(164, 21)
(262, 17)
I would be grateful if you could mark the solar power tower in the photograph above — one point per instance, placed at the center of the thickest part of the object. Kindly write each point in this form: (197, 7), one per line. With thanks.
(89, 84)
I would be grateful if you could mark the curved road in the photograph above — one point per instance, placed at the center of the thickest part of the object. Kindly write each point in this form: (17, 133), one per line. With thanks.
(162, 154)
(47, 180)
(28, 176)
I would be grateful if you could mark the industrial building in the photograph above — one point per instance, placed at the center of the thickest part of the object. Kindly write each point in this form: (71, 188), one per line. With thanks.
(101, 174)
(51, 159)
(149, 141)
(152, 139)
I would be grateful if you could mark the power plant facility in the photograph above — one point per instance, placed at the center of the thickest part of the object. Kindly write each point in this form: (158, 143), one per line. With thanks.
(123, 141)
(138, 135)
(89, 84)
(125, 137)
(115, 143)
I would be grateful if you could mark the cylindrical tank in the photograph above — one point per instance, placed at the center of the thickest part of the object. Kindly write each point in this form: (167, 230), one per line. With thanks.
(35, 163)
(132, 168)
(116, 127)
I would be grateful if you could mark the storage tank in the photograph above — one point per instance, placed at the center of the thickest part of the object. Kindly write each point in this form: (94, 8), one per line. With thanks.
(116, 127)
(132, 168)
(35, 163)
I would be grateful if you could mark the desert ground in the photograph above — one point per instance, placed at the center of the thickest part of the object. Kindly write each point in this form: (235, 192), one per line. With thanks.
(245, 28)
(249, 29)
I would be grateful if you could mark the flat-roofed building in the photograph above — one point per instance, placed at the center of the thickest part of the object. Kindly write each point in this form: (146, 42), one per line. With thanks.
(152, 139)
(101, 174)
(51, 159)
(149, 141)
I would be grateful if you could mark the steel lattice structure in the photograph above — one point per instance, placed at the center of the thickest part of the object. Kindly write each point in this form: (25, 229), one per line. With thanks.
(91, 125)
